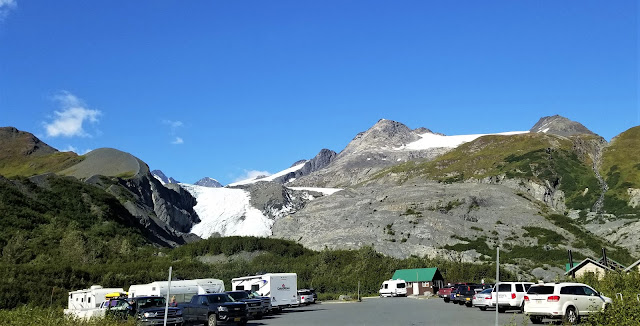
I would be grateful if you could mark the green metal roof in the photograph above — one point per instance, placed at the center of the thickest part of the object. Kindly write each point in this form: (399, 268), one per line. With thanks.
(415, 274)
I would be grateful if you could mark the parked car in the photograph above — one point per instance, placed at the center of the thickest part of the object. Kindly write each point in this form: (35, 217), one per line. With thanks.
(455, 293)
(509, 295)
(266, 301)
(305, 297)
(214, 309)
(147, 310)
(315, 295)
(466, 293)
(445, 292)
(254, 306)
(568, 301)
(482, 300)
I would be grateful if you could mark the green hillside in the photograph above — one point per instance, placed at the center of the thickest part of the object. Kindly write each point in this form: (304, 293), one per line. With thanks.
(537, 157)
(621, 170)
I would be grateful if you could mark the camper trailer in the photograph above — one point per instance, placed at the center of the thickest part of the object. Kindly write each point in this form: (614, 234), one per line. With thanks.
(282, 288)
(182, 290)
(86, 303)
(393, 288)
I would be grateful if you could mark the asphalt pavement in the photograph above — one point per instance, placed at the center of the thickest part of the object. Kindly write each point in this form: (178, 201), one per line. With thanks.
(390, 311)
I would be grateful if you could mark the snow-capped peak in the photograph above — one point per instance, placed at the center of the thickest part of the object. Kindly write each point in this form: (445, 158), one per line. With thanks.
(270, 177)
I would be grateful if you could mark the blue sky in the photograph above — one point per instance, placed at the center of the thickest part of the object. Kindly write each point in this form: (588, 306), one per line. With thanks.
(224, 88)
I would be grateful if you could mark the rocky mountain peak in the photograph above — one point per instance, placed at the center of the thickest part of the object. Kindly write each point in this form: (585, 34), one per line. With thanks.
(208, 182)
(16, 142)
(385, 133)
(559, 125)
(158, 174)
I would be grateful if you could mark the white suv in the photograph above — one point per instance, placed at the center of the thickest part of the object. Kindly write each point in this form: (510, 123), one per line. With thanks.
(510, 295)
(568, 301)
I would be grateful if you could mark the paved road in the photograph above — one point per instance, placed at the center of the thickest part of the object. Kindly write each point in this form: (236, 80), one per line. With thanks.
(390, 311)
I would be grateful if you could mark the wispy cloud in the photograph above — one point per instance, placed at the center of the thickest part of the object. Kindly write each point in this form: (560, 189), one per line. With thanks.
(5, 7)
(174, 125)
(69, 120)
(251, 174)
(70, 148)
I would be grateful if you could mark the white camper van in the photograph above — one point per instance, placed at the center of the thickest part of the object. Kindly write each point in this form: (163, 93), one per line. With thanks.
(281, 287)
(393, 288)
(182, 290)
(86, 303)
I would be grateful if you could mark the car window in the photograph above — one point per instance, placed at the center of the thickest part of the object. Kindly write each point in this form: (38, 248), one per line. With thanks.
(540, 289)
(400, 286)
(589, 291)
(504, 288)
(519, 288)
(487, 291)
(527, 286)
(566, 290)
(578, 290)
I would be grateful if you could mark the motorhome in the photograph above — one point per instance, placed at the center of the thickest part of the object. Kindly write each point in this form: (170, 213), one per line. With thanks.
(393, 288)
(86, 303)
(182, 290)
(282, 288)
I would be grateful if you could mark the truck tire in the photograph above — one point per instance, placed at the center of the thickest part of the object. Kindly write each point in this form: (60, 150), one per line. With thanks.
(213, 320)
(502, 309)
(536, 320)
(483, 308)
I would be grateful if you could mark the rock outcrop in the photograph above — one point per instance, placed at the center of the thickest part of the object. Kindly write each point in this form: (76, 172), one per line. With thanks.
(559, 125)
(208, 182)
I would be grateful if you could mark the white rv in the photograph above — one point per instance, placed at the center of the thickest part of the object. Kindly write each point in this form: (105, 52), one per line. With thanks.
(393, 288)
(86, 303)
(282, 288)
(182, 290)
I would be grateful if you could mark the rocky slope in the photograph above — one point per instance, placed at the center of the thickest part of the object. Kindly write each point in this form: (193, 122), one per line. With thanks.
(163, 178)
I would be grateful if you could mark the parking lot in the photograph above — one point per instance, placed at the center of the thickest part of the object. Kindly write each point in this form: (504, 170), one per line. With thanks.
(390, 311)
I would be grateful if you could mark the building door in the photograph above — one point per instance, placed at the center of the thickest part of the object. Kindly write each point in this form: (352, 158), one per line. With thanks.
(416, 288)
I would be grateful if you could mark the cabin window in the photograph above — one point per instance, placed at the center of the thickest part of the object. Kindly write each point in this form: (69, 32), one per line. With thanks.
(425, 284)
(240, 288)
(89, 300)
(153, 288)
(255, 287)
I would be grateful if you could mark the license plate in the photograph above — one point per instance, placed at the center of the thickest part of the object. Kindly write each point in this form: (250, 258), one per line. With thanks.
(468, 299)
(237, 319)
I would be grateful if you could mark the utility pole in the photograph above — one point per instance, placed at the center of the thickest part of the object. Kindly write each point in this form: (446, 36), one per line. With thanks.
(497, 280)
(166, 307)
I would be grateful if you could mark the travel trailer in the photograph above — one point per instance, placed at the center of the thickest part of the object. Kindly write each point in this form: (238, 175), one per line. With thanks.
(393, 288)
(86, 303)
(182, 290)
(282, 288)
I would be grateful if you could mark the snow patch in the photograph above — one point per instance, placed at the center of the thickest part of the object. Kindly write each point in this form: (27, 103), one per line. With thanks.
(227, 212)
(271, 177)
(429, 140)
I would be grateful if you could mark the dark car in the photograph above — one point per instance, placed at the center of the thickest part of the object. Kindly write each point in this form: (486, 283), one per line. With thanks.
(254, 306)
(466, 294)
(147, 310)
(214, 309)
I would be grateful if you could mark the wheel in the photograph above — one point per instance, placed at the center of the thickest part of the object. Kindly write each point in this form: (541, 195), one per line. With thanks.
(502, 309)
(536, 319)
(468, 304)
(571, 316)
(447, 300)
(483, 308)
(213, 320)
(242, 323)
(461, 302)
(259, 315)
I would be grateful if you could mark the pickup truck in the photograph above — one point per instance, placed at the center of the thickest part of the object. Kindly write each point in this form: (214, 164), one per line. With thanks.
(147, 310)
(445, 292)
(254, 306)
(213, 309)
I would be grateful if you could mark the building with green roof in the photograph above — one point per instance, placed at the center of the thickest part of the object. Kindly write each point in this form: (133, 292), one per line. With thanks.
(420, 280)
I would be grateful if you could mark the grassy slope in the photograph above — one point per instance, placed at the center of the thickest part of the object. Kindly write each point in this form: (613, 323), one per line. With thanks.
(536, 157)
(11, 166)
(621, 170)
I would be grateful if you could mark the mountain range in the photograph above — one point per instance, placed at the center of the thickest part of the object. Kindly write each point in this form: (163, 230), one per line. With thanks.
(404, 192)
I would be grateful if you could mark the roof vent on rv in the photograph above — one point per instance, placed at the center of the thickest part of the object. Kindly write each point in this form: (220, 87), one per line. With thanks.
(95, 287)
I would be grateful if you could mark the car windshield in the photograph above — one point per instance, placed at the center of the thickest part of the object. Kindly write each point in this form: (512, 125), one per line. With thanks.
(400, 286)
(143, 303)
(256, 294)
(219, 298)
(540, 289)
(239, 295)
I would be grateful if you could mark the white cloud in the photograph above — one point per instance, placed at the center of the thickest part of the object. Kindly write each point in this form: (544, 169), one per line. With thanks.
(178, 141)
(5, 7)
(251, 174)
(70, 148)
(74, 112)
(173, 124)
